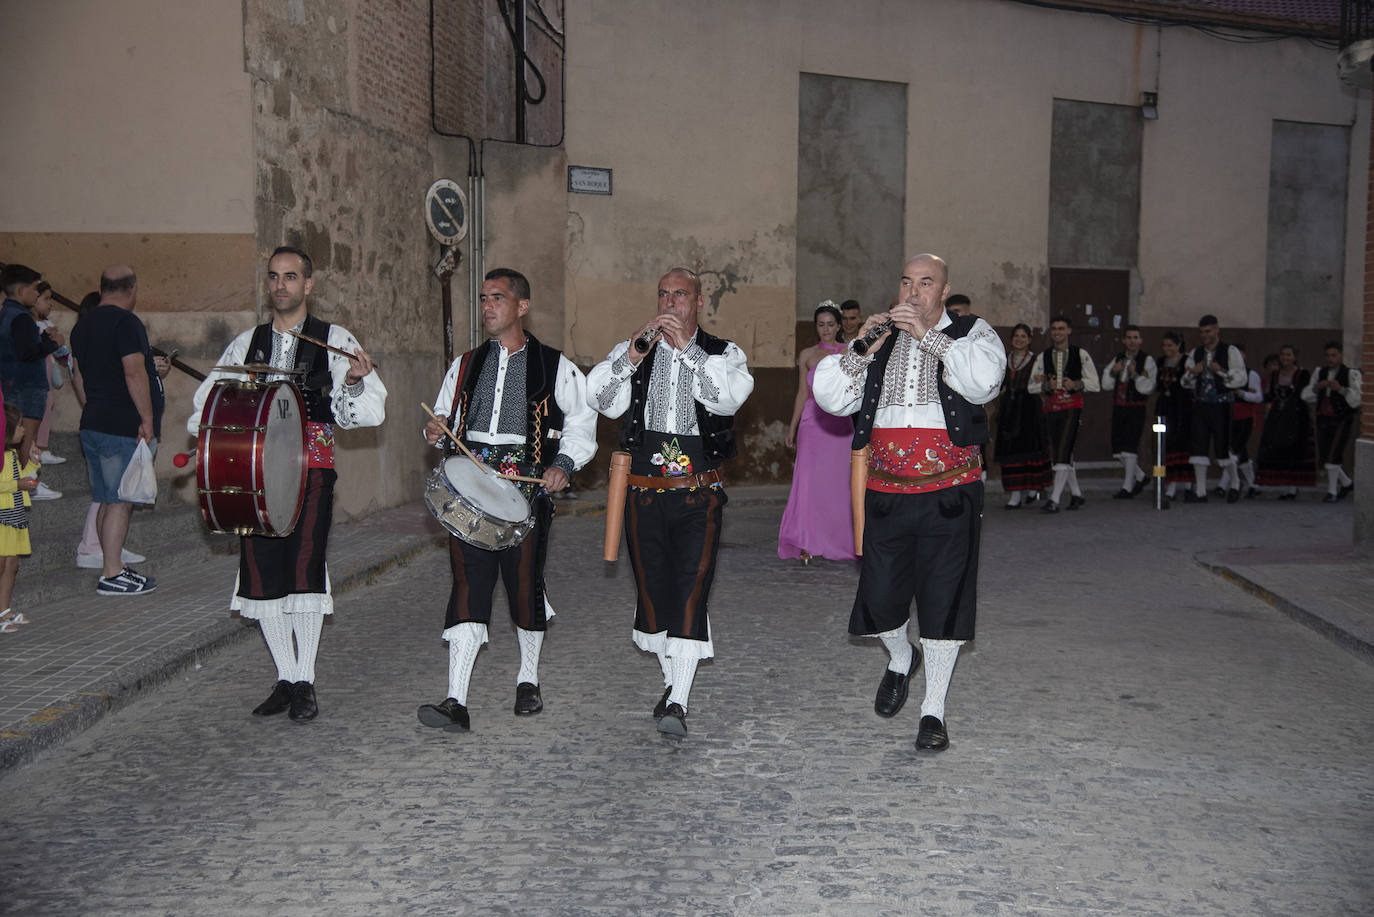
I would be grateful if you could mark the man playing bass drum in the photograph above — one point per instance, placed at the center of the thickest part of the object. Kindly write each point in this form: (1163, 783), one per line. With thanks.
(283, 582)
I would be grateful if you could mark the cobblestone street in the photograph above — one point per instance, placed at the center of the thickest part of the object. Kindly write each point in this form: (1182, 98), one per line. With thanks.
(1130, 733)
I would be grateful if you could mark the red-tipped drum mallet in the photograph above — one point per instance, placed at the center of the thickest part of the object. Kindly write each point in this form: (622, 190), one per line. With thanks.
(182, 459)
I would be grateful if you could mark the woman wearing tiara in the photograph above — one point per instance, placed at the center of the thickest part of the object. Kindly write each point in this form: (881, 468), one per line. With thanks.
(817, 520)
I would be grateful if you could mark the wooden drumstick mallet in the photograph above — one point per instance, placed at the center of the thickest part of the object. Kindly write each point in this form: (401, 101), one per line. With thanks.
(478, 462)
(329, 347)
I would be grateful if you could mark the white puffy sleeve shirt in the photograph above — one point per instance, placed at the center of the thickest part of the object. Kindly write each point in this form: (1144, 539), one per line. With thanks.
(360, 405)
(973, 366)
(720, 383)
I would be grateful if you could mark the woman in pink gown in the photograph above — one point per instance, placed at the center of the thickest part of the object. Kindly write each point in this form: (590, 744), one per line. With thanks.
(817, 519)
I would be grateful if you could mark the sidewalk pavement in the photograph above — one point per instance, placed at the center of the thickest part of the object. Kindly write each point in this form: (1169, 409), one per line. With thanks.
(85, 657)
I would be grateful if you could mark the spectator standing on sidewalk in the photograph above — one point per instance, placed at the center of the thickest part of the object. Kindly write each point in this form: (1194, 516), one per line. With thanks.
(52, 368)
(16, 484)
(24, 352)
(123, 406)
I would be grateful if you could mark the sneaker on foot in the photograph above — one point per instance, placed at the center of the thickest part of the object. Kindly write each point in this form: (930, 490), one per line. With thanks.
(44, 492)
(96, 561)
(47, 458)
(127, 582)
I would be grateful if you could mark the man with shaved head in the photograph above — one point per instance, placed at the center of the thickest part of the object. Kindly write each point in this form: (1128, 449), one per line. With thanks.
(678, 389)
(123, 407)
(917, 397)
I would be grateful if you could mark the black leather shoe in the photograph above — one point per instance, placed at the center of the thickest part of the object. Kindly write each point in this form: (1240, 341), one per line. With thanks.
(1220, 491)
(528, 700)
(303, 706)
(1252, 493)
(1123, 494)
(1288, 496)
(1050, 507)
(1139, 486)
(892, 689)
(661, 707)
(674, 721)
(1233, 495)
(1011, 506)
(276, 702)
(1076, 502)
(449, 715)
(931, 736)
(1330, 498)
(1190, 496)
(1345, 491)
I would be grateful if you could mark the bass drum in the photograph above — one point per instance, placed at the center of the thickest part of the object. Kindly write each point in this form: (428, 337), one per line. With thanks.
(478, 505)
(250, 458)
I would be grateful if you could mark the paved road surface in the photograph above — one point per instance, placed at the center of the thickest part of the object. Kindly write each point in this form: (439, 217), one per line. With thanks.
(1131, 735)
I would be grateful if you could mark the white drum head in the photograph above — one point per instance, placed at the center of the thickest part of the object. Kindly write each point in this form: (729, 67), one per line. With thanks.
(489, 492)
(283, 456)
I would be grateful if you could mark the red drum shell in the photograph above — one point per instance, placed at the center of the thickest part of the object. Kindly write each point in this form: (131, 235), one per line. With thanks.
(248, 482)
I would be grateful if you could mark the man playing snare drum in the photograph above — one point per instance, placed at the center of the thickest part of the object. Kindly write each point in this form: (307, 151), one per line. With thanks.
(283, 582)
(521, 407)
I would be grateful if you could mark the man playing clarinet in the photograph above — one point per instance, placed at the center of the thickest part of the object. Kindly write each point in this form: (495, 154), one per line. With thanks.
(520, 406)
(917, 397)
(678, 389)
(283, 582)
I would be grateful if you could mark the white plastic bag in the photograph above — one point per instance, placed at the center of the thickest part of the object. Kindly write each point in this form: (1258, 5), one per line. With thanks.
(139, 483)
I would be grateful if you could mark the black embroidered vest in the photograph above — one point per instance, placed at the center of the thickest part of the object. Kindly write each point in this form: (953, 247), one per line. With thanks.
(1073, 364)
(1132, 394)
(717, 433)
(1339, 407)
(965, 422)
(543, 416)
(317, 385)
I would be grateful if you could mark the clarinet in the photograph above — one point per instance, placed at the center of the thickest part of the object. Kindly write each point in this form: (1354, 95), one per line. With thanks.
(646, 340)
(862, 344)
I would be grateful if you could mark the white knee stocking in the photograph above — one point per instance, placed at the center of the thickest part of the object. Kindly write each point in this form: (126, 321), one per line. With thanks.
(666, 665)
(1132, 470)
(464, 640)
(1073, 482)
(276, 630)
(940, 656)
(1200, 479)
(307, 627)
(530, 643)
(898, 649)
(684, 670)
(1015, 498)
(1061, 477)
(1247, 471)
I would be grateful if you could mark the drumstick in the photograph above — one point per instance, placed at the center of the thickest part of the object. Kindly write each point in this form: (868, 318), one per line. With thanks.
(329, 347)
(481, 464)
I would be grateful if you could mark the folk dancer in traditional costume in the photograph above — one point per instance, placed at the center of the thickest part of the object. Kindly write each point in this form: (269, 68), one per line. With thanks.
(1062, 374)
(1335, 391)
(1021, 447)
(678, 397)
(1131, 380)
(284, 582)
(521, 406)
(917, 397)
(1248, 407)
(1215, 370)
(1286, 457)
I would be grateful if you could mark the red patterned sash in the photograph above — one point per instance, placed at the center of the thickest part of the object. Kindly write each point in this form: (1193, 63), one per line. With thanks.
(912, 454)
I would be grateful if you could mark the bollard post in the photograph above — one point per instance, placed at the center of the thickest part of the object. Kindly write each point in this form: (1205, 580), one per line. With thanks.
(1160, 428)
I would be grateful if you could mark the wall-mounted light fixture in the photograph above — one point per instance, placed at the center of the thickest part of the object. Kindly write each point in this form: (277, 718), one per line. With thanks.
(1149, 105)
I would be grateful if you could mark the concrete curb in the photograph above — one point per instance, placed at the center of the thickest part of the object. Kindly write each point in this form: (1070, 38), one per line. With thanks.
(83, 709)
(1333, 632)
(86, 707)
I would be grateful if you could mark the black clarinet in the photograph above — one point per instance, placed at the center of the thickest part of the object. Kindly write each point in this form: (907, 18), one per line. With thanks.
(862, 344)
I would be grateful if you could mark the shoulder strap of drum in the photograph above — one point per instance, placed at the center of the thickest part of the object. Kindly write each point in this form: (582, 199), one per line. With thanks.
(313, 359)
(260, 346)
(465, 369)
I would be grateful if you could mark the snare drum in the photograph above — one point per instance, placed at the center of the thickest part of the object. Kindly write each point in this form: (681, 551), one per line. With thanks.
(477, 505)
(250, 458)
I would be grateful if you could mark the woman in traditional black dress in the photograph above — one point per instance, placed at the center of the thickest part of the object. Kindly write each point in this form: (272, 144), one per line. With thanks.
(1287, 457)
(1175, 405)
(1021, 446)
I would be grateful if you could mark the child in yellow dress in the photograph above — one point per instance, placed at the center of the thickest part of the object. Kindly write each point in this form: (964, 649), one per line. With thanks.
(16, 484)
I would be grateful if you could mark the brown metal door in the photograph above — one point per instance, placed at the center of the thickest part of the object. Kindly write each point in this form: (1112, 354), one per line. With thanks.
(1097, 303)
